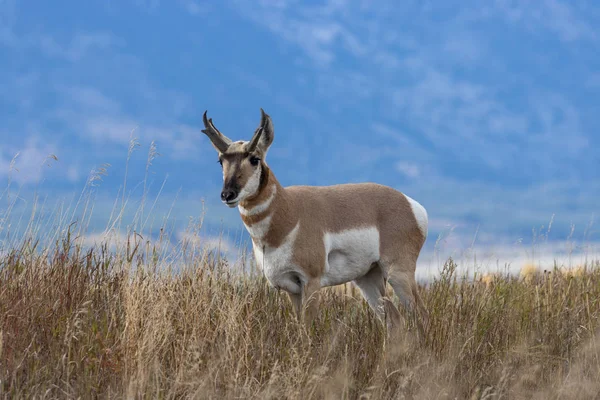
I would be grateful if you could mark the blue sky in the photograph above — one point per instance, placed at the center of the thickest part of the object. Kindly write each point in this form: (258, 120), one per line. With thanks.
(487, 115)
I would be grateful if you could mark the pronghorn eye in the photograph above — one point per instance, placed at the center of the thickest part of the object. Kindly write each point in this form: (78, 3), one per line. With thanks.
(254, 160)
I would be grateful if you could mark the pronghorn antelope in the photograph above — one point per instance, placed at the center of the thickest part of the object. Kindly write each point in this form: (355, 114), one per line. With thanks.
(308, 237)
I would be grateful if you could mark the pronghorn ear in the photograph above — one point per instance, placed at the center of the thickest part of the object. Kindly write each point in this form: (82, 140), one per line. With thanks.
(264, 134)
(268, 134)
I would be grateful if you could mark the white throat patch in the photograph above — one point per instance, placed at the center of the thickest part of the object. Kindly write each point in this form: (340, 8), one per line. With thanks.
(259, 208)
(260, 229)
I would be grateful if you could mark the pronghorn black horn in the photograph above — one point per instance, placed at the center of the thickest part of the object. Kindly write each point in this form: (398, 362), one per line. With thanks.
(220, 141)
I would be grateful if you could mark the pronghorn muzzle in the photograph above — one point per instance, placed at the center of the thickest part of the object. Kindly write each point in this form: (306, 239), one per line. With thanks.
(229, 195)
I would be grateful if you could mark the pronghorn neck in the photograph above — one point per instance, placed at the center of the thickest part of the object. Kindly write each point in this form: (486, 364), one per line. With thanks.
(267, 189)
(260, 212)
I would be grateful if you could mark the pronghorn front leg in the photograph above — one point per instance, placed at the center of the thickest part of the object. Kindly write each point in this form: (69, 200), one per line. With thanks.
(310, 300)
(296, 299)
(306, 303)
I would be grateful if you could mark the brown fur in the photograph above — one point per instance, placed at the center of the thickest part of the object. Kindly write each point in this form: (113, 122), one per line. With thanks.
(330, 209)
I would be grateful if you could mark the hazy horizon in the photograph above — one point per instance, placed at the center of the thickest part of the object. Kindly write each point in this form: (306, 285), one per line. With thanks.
(485, 115)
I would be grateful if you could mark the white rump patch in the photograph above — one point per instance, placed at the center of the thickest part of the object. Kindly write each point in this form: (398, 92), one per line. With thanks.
(259, 207)
(350, 254)
(276, 262)
(420, 215)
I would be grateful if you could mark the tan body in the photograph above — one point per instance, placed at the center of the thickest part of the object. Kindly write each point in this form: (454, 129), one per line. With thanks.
(308, 237)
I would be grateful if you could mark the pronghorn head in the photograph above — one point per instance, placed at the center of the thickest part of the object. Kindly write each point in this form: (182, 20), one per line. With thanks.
(244, 168)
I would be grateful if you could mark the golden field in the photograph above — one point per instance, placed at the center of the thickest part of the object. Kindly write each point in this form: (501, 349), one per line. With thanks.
(78, 322)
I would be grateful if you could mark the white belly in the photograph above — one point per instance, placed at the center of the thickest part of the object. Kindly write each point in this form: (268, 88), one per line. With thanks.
(277, 265)
(350, 254)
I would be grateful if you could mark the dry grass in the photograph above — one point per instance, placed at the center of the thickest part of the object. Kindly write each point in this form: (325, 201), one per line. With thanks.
(95, 323)
(151, 320)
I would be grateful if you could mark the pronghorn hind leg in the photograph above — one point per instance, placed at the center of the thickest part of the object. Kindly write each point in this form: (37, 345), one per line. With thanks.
(405, 287)
(372, 287)
(421, 306)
